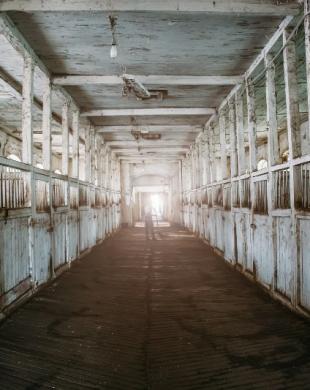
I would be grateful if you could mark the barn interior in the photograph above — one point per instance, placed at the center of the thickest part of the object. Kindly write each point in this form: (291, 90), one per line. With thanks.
(195, 113)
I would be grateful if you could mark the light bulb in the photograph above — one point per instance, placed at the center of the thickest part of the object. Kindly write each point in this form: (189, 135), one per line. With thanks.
(113, 51)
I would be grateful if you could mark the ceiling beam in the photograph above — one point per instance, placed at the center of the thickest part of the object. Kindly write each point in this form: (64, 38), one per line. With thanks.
(19, 43)
(208, 6)
(148, 143)
(149, 128)
(149, 112)
(152, 150)
(150, 159)
(148, 80)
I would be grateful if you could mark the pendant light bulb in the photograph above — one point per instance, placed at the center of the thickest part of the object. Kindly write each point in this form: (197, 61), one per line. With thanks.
(113, 51)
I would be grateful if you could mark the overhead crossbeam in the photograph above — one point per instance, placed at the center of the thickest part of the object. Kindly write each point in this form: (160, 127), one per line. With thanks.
(145, 143)
(164, 80)
(233, 7)
(150, 150)
(149, 112)
(150, 128)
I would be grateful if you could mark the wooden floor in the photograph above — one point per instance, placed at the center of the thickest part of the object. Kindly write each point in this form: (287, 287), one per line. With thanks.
(164, 314)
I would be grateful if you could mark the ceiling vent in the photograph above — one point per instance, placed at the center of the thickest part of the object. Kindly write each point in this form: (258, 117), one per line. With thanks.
(146, 135)
(134, 87)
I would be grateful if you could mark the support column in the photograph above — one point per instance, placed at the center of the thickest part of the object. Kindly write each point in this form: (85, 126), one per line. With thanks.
(240, 134)
(207, 156)
(27, 135)
(251, 124)
(294, 140)
(87, 155)
(75, 146)
(92, 154)
(232, 132)
(222, 126)
(291, 94)
(212, 153)
(272, 124)
(307, 49)
(65, 139)
(46, 126)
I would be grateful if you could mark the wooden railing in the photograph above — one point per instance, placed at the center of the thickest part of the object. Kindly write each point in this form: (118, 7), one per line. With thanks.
(14, 188)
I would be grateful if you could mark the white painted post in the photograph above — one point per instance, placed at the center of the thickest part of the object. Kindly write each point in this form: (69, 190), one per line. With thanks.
(291, 93)
(222, 126)
(65, 139)
(240, 134)
(294, 140)
(307, 49)
(27, 135)
(272, 124)
(75, 146)
(92, 154)
(87, 155)
(212, 153)
(206, 157)
(100, 162)
(46, 125)
(232, 132)
(251, 124)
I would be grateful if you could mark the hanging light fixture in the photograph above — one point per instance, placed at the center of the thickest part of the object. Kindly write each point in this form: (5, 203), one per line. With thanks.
(113, 50)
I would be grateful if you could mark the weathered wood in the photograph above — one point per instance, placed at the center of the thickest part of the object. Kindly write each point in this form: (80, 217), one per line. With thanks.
(87, 154)
(65, 139)
(271, 112)
(149, 128)
(20, 44)
(222, 126)
(92, 154)
(291, 94)
(150, 79)
(46, 126)
(27, 136)
(150, 143)
(75, 146)
(307, 51)
(294, 138)
(240, 133)
(149, 111)
(208, 6)
(212, 152)
(208, 155)
(251, 124)
(232, 132)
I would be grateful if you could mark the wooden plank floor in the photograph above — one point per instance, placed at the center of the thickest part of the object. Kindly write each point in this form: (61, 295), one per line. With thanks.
(164, 314)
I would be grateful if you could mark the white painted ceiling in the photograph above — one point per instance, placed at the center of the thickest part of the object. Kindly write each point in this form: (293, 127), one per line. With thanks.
(149, 43)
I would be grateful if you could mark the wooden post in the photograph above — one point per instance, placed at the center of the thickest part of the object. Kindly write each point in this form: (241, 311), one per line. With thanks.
(294, 140)
(100, 161)
(212, 153)
(65, 139)
(232, 132)
(307, 49)
(240, 134)
(291, 94)
(206, 157)
(197, 163)
(92, 154)
(27, 135)
(251, 124)
(75, 146)
(87, 154)
(222, 126)
(46, 126)
(272, 124)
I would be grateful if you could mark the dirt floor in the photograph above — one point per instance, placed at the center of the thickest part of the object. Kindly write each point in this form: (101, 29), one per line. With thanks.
(164, 314)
